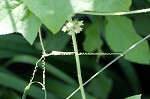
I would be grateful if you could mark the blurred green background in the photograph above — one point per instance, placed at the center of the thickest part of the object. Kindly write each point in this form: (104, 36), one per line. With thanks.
(122, 79)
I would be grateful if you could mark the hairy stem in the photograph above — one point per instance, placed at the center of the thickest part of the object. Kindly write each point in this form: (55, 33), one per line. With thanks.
(78, 65)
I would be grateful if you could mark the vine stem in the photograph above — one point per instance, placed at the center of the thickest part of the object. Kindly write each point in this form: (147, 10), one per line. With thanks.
(41, 42)
(105, 67)
(83, 53)
(78, 65)
(117, 13)
(35, 69)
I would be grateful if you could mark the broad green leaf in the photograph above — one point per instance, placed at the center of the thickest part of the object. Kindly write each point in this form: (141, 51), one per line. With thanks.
(16, 17)
(49, 68)
(134, 97)
(19, 85)
(120, 35)
(92, 41)
(100, 86)
(54, 13)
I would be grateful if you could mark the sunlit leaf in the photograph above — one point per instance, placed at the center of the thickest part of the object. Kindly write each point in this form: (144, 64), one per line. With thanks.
(54, 13)
(134, 97)
(16, 17)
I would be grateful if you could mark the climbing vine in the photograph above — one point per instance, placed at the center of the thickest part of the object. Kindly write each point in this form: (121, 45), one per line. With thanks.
(54, 15)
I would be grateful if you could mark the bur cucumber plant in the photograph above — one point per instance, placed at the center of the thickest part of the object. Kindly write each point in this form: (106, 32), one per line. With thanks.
(27, 16)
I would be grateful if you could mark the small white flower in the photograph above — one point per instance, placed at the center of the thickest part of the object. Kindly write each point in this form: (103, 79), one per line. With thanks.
(74, 26)
(69, 25)
(78, 30)
(64, 29)
(80, 23)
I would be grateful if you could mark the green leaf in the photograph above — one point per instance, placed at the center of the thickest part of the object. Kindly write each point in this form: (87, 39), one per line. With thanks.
(54, 13)
(92, 41)
(134, 97)
(111, 6)
(100, 5)
(120, 35)
(16, 17)
(19, 85)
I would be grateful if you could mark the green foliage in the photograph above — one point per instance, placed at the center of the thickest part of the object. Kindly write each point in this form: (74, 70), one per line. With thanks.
(92, 41)
(52, 13)
(120, 35)
(16, 82)
(113, 6)
(16, 17)
(101, 34)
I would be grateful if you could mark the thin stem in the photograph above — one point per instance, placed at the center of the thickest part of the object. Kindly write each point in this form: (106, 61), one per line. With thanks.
(78, 65)
(105, 67)
(35, 69)
(117, 13)
(41, 42)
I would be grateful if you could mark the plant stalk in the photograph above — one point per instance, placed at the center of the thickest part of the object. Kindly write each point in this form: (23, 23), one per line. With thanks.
(78, 65)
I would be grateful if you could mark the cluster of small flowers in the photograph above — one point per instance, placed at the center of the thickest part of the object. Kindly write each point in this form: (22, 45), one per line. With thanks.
(73, 27)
